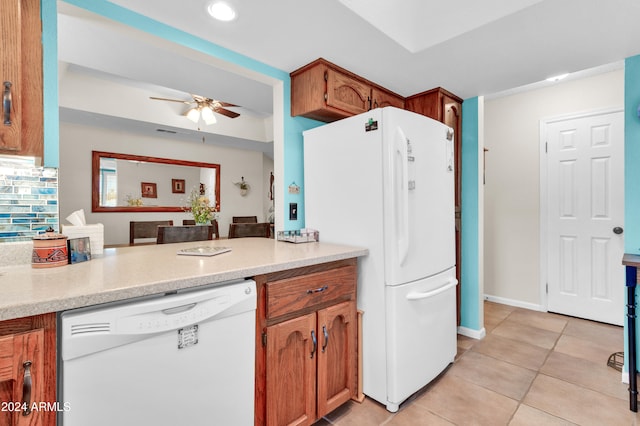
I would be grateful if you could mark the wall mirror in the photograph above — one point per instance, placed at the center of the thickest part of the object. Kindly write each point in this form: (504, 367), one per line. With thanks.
(135, 183)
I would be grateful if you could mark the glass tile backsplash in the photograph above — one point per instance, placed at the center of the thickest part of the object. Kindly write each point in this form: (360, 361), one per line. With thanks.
(28, 199)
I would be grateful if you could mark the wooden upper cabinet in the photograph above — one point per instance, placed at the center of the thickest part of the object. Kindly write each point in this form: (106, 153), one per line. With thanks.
(323, 91)
(383, 98)
(435, 103)
(347, 93)
(21, 109)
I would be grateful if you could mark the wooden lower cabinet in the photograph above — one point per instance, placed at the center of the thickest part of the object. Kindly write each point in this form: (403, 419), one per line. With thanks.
(336, 356)
(306, 356)
(291, 372)
(27, 371)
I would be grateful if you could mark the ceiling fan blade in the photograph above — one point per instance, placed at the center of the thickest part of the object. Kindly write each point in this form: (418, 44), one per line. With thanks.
(226, 112)
(170, 100)
(224, 104)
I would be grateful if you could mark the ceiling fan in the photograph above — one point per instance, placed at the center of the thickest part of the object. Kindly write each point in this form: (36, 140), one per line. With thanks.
(205, 107)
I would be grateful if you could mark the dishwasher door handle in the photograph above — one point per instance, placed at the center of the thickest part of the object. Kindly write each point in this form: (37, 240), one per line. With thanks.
(179, 309)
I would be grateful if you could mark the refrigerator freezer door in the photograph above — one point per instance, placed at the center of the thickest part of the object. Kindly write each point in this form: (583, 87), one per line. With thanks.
(419, 197)
(421, 334)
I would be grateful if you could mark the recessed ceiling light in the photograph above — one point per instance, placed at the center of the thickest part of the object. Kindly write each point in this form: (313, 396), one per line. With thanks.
(221, 11)
(557, 77)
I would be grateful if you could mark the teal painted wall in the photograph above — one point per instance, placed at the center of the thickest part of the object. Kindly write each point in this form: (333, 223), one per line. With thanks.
(631, 168)
(632, 155)
(470, 316)
(293, 126)
(48, 12)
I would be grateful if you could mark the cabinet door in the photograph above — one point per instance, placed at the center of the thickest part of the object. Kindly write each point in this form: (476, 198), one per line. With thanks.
(11, 77)
(347, 93)
(21, 130)
(291, 372)
(336, 356)
(22, 378)
(381, 99)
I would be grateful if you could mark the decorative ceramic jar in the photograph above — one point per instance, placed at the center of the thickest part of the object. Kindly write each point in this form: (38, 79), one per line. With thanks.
(49, 250)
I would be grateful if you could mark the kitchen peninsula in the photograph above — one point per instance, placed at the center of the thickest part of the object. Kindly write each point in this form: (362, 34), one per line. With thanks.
(127, 272)
(31, 297)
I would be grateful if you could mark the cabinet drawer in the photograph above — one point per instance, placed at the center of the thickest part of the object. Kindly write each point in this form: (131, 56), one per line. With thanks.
(310, 291)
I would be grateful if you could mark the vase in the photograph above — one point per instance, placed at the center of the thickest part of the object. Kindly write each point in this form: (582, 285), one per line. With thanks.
(202, 223)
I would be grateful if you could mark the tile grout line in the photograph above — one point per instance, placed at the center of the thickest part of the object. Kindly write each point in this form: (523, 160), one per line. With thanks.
(538, 373)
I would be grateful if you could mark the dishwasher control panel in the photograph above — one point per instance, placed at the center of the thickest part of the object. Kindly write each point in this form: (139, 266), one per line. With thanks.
(88, 329)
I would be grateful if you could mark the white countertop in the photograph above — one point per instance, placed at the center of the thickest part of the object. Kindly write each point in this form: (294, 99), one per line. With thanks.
(127, 272)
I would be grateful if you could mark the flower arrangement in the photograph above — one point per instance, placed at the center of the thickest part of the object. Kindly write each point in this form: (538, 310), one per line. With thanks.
(134, 201)
(199, 206)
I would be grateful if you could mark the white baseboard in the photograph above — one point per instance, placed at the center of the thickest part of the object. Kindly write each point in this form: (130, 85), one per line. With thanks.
(516, 303)
(474, 334)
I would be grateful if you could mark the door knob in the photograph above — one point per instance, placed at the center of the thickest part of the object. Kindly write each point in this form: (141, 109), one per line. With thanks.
(617, 230)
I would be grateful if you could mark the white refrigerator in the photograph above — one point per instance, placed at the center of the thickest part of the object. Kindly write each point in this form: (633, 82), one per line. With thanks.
(384, 180)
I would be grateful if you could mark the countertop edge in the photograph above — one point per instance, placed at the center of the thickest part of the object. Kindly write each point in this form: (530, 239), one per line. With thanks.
(57, 304)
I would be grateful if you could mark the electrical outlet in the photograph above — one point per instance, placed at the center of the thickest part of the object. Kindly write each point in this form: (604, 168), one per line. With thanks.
(293, 211)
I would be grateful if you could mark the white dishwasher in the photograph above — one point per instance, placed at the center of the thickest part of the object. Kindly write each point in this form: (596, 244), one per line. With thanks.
(185, 358)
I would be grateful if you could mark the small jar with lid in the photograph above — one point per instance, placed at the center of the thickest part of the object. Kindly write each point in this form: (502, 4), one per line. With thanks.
(49, 250)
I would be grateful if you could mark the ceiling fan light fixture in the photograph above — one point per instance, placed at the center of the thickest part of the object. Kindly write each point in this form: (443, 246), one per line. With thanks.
(193, 114)
(207, 116)
(221, 11)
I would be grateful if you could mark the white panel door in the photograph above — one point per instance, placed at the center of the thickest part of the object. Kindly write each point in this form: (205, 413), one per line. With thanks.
(585, 215)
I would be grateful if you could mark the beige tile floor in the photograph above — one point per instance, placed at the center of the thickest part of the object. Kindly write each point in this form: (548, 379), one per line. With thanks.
(532, 368)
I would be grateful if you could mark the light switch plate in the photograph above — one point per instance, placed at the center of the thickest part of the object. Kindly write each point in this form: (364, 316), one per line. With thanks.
(293, 211)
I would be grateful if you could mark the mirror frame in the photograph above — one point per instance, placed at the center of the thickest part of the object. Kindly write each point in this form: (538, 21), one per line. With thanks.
(95, 182)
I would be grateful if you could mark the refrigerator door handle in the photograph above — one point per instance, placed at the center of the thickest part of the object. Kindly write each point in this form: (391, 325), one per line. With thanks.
(416, 295)
(402, 188)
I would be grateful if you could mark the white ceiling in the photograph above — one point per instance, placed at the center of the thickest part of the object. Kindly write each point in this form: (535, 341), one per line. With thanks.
(468, 47)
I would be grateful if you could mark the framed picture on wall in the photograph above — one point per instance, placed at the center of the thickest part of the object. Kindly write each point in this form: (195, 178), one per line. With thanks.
(149, 190)
(177, 186)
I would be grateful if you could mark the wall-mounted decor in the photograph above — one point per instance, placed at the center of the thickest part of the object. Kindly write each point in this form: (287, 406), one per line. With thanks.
(177, 186)
(293, 188)
(243, 185)
(108, 167)
(149, 190)
(271, 179)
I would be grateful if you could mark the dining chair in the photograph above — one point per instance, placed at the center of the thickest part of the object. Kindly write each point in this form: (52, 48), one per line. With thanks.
(214, 223)
(181, 234)
(240, 230)
(244, 219)
(145, 229)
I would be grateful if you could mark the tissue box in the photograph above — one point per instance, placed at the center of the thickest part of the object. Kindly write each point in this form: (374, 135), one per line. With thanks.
(94, 232)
